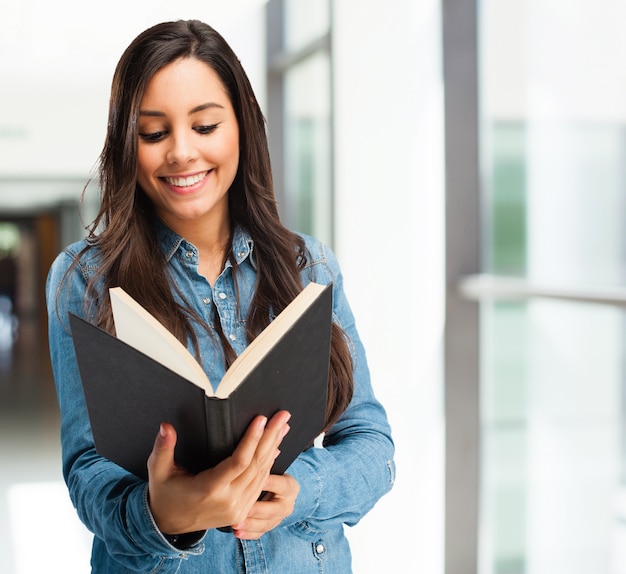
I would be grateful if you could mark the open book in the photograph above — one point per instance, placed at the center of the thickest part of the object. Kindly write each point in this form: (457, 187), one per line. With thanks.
(145, 376)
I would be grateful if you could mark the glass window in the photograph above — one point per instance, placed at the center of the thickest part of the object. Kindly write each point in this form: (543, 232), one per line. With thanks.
(553, 142)
(305, 22)
(308, 153)
(299, 114)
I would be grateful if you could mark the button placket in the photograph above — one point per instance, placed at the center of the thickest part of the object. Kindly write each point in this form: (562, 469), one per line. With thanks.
(319, 548)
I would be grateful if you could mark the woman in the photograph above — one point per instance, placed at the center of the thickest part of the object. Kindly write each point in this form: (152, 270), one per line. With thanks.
(188, 226)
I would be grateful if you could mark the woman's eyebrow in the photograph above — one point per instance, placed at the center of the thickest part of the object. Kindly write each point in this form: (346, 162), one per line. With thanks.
(201, 107)
(151, 113)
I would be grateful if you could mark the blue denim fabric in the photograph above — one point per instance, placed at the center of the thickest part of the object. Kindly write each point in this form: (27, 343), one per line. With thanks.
(338, 483)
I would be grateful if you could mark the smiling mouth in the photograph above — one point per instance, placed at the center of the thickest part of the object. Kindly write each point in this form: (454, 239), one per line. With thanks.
(186, 181)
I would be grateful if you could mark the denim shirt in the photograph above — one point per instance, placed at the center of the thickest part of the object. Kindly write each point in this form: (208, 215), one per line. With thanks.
(339, 483)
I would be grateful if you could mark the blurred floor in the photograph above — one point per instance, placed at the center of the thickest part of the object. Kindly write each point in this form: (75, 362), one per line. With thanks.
(39, 531)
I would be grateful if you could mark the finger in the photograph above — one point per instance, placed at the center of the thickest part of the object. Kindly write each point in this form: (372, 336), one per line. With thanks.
(253, 476)
(284, 486)
(251, 534)
(280, 419)
(262, 518)
(274, 433)
(242, 456)
(270, 511)
(258, 448)
(161, 460)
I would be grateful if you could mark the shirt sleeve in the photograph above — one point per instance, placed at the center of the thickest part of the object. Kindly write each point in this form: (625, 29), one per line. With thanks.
(341, 482)
(111, 502)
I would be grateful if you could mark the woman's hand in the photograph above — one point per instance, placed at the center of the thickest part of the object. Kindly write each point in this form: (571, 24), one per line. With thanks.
(268, 513)
(181, 502)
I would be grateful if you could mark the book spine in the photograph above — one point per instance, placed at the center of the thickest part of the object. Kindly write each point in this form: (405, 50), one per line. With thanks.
(221, 438)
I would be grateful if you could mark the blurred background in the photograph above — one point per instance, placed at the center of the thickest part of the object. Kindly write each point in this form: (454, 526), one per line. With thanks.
(467, 162)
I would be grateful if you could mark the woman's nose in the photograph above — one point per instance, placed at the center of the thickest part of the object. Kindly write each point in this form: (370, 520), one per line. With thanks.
(182, 149)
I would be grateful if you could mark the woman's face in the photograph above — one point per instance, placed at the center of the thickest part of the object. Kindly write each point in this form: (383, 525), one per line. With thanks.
(188, 148)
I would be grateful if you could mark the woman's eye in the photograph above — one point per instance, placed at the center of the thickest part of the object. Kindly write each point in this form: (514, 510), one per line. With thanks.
(205, 129)
(152, 137)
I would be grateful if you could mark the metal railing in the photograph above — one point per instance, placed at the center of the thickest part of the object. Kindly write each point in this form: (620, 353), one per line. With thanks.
(484, 287)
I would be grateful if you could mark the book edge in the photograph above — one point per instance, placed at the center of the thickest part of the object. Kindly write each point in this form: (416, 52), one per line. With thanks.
(261, 345)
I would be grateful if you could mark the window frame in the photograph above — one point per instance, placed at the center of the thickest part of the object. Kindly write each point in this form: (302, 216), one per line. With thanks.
(280, 61)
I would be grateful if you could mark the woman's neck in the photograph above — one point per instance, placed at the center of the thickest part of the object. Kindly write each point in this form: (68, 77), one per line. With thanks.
(213, 247)
(212, 239)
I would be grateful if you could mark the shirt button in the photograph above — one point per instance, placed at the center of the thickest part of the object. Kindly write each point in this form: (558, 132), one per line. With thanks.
(320, 549)
(240, 254)
(222, 295)
(206, 300)
(189, 254)
(232, 337)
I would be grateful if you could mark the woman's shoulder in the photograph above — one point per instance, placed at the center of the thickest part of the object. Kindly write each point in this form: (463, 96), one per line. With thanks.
(321, 263)
(68, 278)
(78, 255)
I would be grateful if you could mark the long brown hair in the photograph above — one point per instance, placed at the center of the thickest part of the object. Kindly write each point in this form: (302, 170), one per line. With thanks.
(124, 229)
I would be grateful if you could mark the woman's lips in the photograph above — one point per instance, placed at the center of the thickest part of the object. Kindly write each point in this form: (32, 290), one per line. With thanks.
(186, 181)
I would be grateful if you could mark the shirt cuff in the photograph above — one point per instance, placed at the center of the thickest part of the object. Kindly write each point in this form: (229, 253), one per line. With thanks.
(143, 528)
(309, 496)
(185, 541)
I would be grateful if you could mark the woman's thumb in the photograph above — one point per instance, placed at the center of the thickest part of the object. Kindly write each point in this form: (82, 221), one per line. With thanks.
(161, 459)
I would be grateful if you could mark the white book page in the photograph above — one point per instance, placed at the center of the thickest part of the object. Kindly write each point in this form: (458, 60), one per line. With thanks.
(139, 329)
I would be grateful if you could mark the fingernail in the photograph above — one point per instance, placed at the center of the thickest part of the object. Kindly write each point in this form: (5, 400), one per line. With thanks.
(284, 432)
(162, 433)
(277, 454)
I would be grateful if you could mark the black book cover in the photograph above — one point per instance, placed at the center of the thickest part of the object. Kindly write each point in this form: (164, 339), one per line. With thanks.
(128, 395)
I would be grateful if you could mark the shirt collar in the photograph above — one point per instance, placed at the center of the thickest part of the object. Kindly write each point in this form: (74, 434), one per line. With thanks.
(170, 241)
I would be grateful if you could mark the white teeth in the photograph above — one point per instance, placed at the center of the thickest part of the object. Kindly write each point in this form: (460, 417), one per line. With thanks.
(185, 181)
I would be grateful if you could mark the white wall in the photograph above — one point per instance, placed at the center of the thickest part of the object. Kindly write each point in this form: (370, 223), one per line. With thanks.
(389, 239)
(57, 61)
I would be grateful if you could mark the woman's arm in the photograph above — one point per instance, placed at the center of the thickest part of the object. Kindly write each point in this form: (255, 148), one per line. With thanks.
(111, 502)
(341, 482)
